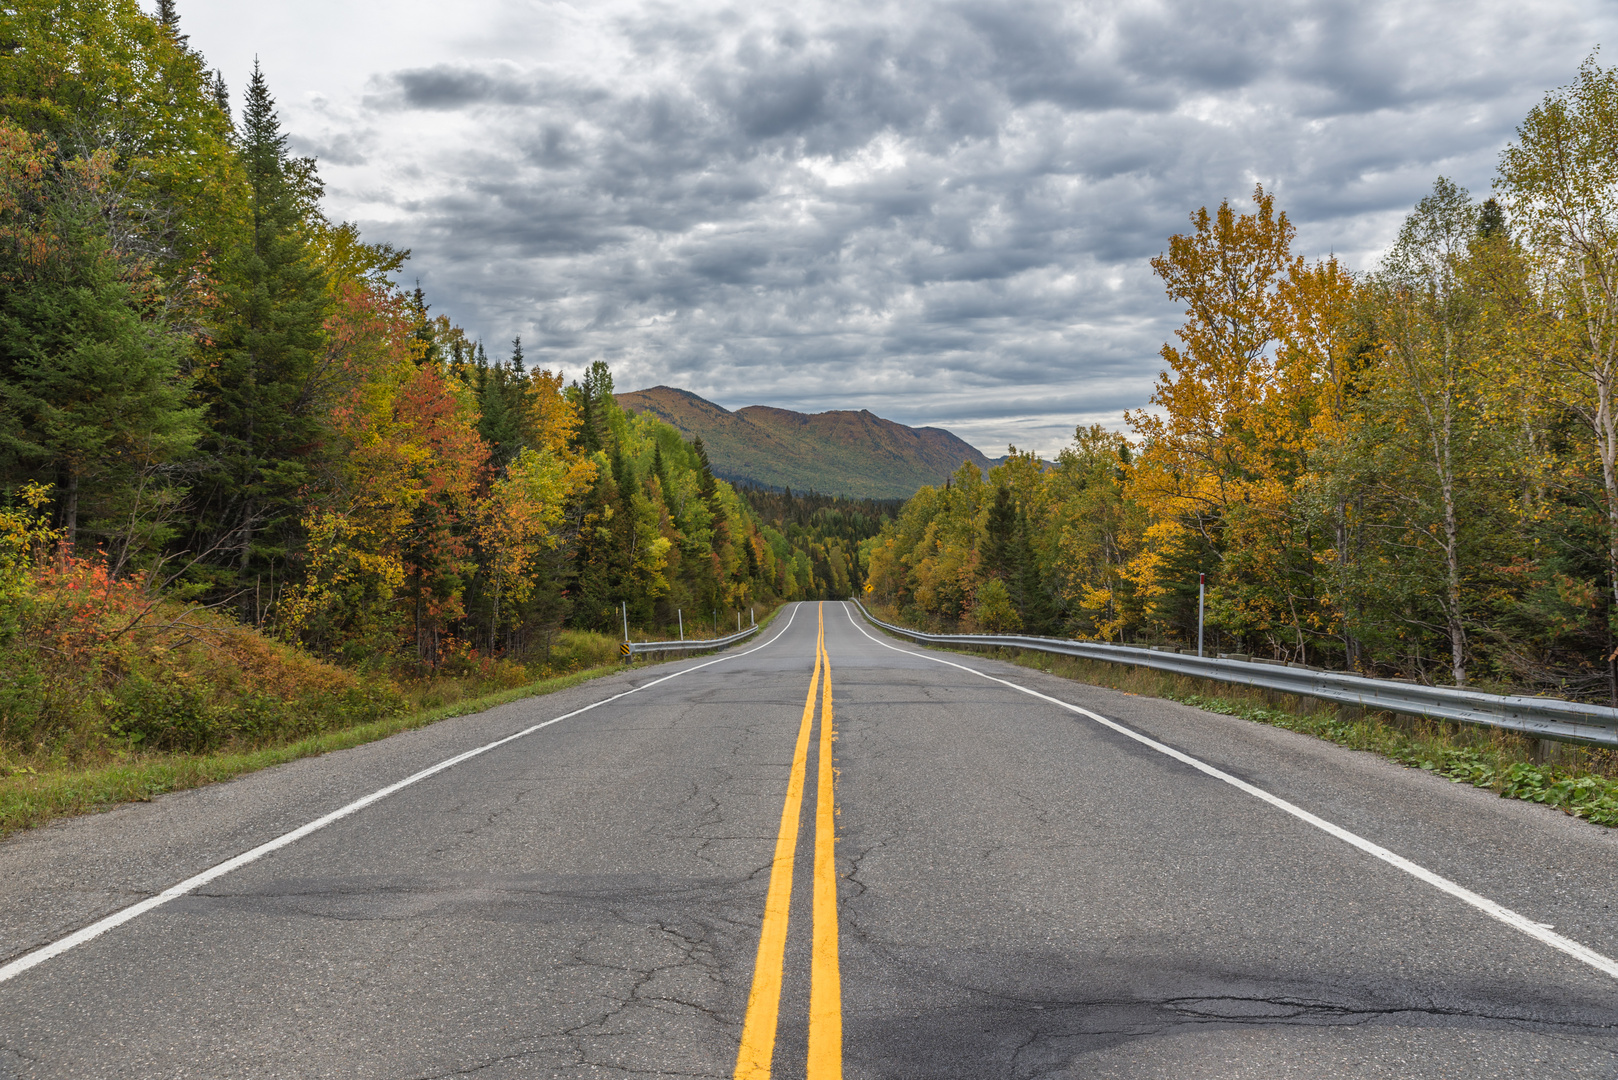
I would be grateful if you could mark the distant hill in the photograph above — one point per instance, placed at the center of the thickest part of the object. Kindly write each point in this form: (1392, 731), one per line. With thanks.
(857, 454)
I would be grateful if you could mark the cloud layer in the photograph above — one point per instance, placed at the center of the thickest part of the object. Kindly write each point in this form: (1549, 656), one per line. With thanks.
(941, 212)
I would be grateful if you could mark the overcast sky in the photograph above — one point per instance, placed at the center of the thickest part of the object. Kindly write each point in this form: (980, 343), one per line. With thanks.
(939, 212)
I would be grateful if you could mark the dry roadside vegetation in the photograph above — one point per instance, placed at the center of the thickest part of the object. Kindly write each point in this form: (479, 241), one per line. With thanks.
(110, 691)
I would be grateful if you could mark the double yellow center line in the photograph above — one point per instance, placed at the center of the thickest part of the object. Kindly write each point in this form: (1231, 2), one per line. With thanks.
(825, 982)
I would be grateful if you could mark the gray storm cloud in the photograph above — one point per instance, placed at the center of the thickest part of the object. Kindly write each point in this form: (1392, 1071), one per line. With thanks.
(939, 212)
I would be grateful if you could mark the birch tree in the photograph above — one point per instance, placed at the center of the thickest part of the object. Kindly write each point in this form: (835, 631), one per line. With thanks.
(1560, 181)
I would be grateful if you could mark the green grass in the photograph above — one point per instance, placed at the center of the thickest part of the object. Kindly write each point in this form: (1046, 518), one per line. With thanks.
(32, 796)
(37, 793)
(1578, 780)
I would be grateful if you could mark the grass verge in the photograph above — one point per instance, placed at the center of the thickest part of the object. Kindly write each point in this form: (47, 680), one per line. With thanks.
(692, 634)
(30, 797)
(1578, 780)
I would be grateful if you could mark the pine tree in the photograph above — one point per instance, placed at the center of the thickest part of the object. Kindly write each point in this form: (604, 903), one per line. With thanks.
(424, 334)
(591, 396)
(621, 474)
(497, 419)
(1033, 600)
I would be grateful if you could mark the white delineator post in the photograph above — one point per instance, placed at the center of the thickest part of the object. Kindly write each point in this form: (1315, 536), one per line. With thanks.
(681, 616)
(1202, 592)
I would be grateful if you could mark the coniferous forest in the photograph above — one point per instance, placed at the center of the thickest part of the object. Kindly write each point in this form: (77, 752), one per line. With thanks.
(250, 484)
(1409, 471)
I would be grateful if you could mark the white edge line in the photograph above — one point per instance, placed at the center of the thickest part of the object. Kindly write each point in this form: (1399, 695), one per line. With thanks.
(1482, 903)
(123, 915)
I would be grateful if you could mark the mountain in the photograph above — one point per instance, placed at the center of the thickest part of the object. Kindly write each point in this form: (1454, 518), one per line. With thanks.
(857, 454)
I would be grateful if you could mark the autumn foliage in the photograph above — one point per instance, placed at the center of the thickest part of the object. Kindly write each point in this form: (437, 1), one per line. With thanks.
(250, 485)
(1410, 470)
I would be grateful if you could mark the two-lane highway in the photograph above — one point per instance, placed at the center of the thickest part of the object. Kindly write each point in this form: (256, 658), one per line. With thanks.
(673, 879)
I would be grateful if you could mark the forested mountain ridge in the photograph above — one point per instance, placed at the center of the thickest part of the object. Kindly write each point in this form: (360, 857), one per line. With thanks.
(854, 454)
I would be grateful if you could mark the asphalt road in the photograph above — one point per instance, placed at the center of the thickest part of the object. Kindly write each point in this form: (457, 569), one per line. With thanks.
(1022, 892)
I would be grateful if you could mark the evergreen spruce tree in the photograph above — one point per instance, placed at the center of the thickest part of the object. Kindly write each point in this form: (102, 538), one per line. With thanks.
(424, 327)
(498, 421)
(1491, 219)
(1034, 603)
(91, 394)
(621, 474)
(708, 485)
(660, 471)
(502, 391)
(999, 535)
(265, 431)
(601, 559)
(169, 19)
(591, 395)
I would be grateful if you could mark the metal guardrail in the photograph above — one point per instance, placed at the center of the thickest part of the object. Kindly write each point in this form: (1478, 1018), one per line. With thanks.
(1546, 718)
(636, 648)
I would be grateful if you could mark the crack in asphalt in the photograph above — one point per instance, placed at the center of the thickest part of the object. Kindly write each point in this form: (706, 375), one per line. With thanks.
(605, 977)
(579, 1062)
(21, 1055)
(1197, 1010)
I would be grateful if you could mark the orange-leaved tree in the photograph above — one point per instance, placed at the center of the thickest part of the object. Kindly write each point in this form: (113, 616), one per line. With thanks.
(522, 514)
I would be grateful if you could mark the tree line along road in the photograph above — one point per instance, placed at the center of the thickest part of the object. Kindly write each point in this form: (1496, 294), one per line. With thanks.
(997, 873)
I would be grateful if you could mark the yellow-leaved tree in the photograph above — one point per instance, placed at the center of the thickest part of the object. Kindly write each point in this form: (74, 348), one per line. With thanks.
(521, 516)
(1221, 449)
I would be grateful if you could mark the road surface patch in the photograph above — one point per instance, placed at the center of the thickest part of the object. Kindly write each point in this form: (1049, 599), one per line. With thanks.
(1538, 931)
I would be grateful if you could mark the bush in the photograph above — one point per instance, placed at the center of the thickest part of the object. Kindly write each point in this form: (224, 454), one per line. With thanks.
(994, 612)
(96, 666)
